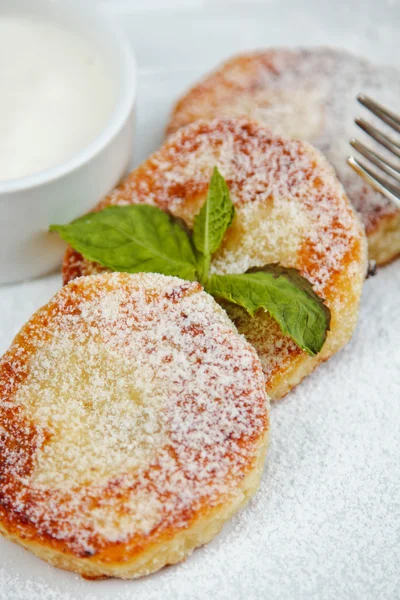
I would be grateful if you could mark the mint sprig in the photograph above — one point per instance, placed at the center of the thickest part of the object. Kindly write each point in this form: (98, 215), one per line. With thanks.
(143, 238)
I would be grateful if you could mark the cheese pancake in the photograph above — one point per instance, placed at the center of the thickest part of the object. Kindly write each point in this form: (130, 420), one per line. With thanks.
(133, 424)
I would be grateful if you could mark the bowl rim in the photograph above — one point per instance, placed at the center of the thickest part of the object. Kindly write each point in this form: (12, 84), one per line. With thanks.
(118, 117)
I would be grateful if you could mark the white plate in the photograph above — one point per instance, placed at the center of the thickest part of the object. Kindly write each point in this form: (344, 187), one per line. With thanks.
(326, 521)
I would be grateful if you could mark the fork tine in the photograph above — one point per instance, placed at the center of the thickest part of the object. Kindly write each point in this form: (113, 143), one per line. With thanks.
(380, 111)
(383, 139)
(380, 162)
(390, 192)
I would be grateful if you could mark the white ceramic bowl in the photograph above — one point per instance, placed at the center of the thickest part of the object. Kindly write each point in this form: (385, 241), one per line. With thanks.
(29, 204)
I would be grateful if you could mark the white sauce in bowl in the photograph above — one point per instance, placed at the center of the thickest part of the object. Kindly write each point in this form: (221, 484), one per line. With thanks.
(56, 95)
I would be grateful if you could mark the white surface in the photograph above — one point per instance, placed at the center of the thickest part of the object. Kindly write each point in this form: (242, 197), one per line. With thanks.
(326, 521)
(59, 194)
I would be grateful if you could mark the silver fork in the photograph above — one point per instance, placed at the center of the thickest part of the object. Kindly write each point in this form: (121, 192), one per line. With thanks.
(389, 187)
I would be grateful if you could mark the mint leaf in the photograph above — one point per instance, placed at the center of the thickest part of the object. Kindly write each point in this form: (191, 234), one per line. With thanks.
(285, 294)
(212, 221)
(132, 239)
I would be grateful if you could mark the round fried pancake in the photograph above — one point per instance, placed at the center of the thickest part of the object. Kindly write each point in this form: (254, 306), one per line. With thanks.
(308, 94)
(289, 208)
(133, 424)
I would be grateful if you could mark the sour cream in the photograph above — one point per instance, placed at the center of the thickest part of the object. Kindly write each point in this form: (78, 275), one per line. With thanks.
(56, 95)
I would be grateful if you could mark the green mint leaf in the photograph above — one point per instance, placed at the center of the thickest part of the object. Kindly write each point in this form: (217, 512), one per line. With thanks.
(132, 238)
(285, 294)
(212, 221)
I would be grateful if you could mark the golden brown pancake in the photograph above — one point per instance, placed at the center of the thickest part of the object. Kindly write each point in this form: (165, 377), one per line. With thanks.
(308, 94)
(289, 208)
(133, 424)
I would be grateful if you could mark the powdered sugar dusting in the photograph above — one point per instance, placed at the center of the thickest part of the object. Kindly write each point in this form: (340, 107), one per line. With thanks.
(138, 383)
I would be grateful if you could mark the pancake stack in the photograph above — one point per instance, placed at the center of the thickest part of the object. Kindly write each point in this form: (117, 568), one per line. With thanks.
(134, 408)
